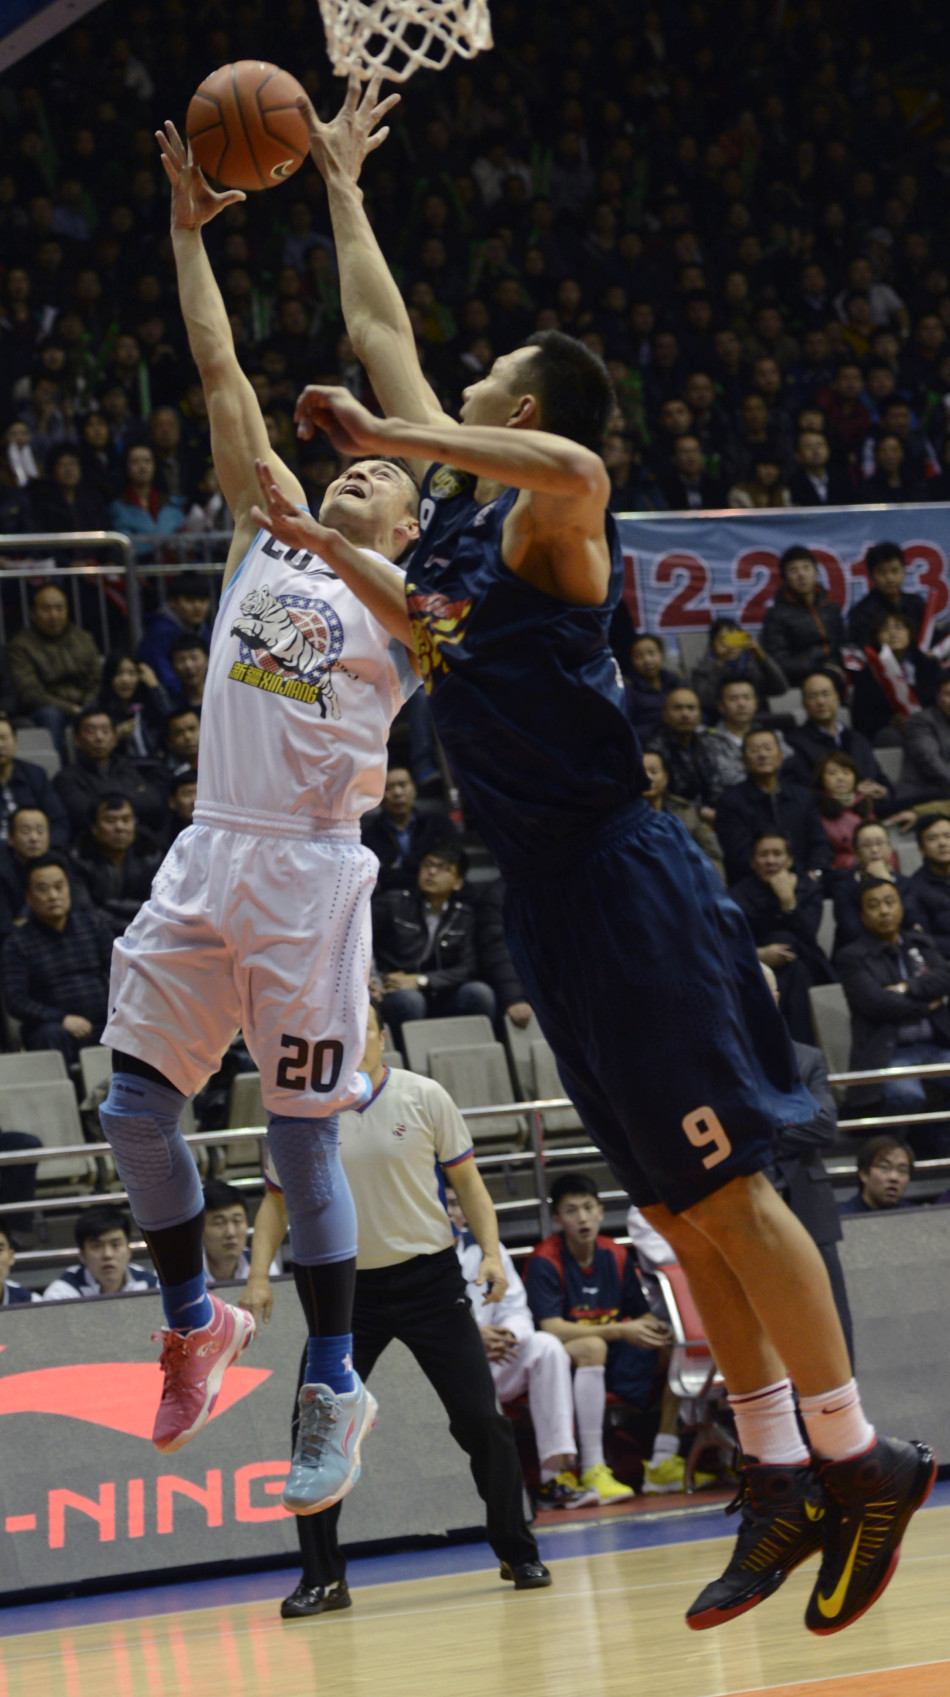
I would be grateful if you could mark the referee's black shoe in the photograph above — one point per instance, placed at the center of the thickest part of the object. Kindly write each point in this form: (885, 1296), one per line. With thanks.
(870, 1499)
(526, 1575)
(316, 1600)
(782, 1510)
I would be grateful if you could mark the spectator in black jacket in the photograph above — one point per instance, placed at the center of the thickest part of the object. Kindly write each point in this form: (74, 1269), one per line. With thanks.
(875, 860)
(424, 945)
(687, 483)
(64, 501)
(823, 733)
(734, 656)
(885, 1169)
(815, 482)
(681, 738)
(99, 770)
(494, 956)
(55, 966)
(22, 784)
(116, 865)
(925, 773)
(398, 834)
(767, 801)
(784, 913)
(897, 983)
(873, 712)
(886, 569)
(647, 684)
(803, 629)
(181, 802)
(931, 883)
(28, 841)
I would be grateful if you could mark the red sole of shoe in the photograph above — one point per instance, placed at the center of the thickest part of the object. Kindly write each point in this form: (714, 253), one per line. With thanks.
(827, 1631)
(719, 1617)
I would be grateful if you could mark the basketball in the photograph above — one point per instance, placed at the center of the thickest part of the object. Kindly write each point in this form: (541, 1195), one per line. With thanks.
(244, 126)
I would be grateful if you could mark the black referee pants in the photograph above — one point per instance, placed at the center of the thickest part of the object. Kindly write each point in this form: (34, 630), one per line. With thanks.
(422, 1302)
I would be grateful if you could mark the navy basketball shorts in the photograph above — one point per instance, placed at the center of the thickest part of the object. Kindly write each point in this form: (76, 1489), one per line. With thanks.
(645, 980)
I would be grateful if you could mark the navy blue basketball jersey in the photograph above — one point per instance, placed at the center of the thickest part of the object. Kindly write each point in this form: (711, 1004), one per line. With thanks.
(525, 691)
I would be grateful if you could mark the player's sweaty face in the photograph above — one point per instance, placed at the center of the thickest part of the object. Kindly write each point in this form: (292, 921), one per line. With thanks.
(368, 489)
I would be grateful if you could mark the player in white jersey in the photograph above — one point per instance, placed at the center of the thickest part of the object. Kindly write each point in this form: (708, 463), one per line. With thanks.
(259, 916)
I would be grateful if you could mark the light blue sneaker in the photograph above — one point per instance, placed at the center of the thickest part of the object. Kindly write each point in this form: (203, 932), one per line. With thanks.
(326, 1460)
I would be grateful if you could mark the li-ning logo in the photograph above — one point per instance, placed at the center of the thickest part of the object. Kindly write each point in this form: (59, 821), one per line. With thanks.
(120, 1395)
(399, 1131)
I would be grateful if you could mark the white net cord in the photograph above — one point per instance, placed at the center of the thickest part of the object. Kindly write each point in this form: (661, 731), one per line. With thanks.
(397, 37)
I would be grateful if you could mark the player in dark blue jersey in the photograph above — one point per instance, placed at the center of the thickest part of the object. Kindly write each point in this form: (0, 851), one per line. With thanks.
(641, 969)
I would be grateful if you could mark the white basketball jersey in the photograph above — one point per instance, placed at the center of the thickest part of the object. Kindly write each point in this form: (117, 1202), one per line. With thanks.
(303, 684)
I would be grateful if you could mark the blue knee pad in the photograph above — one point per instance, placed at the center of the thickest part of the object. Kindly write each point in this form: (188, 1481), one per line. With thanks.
(140, 1120)
(316, 1190)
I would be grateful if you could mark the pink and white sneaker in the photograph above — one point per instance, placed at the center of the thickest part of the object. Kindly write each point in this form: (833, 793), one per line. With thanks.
(194, 1364)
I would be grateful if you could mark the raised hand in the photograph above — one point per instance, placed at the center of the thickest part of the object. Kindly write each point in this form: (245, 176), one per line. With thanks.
(193, 202)
(350, 426)
(343, 144)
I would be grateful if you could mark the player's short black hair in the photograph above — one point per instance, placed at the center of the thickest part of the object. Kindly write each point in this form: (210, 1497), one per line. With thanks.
(883, 1144)
(92, 1222)
(572, 1184)
(575, 394)
(879, 554)
(401, 465)
(797, 552)
(189, 583)
(219, 1195)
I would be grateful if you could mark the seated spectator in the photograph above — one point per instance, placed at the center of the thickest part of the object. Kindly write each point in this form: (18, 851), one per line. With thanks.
(182, 796)
(100, 769)
(931, 882)
(766, 800)
(925, 773)
(583, 1288)
(634, 489)
(687, 484)
(136, 703)
(841, 808)
(784, 913)
(737, 710)
(885, 1169)
(24, 785)
(115, 862)
(10, 1291)
(896, 982)
(681, 738)
(224, 1240)
(815, 482)
(55, 966)
(55, 666)
(886, 569)
(881, 707)
(803, 629)
(28, 841)
(398, 833)
(179, 744)
(18, 1181)
(734, 656)
(142, 509)
(495, 965)
(661, 799)
(524, 1361)
(874, 860)
(893, 478)
(824, 731)
(764, 486)
(105, 1266)
(647, 684)
(185, 614)
(424, 945)
(188, 658)
(63, 500)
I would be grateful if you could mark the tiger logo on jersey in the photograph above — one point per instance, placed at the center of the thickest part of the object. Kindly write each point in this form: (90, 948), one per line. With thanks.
(290, 646)
(436, 623)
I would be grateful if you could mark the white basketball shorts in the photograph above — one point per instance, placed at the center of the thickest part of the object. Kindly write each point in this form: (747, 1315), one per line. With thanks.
(264, 930)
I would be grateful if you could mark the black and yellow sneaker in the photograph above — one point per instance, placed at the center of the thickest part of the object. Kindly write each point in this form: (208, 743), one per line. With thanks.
(868, 1502)
(782, 1513)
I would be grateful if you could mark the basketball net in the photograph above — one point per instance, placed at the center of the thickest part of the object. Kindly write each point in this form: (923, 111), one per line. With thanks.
(397, 37)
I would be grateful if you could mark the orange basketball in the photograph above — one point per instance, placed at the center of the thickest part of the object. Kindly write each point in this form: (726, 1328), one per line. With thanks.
(244, 126)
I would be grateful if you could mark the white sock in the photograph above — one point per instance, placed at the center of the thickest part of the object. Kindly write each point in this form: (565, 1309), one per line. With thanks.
(836, 1424)
(590, 1401)
(666, 1445)
(768, 1430)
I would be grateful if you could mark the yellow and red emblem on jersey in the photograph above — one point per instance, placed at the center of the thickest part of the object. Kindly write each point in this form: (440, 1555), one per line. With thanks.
(436, 623)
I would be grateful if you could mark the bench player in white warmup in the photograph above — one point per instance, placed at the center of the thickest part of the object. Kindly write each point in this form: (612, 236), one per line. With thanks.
(259, 917)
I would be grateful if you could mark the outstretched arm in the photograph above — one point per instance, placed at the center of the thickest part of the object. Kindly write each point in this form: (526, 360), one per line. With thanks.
(374, 311)
(238, 432)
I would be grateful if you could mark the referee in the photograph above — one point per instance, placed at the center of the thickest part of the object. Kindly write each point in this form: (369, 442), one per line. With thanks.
(409, 1286)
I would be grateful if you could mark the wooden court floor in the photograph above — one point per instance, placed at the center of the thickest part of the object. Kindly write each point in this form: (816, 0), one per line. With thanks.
(610, 1626)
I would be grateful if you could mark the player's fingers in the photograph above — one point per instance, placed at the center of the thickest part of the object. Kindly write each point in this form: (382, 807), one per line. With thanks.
(385, 106)
(170, 171)
(377, 139)
(261, 518)
(352, 100)
(305, 108)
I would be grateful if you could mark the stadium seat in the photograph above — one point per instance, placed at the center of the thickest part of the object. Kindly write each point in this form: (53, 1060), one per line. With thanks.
(891, 761)
(245, 1108)
(35, 744)
(421, 1036)
(546, 1081)
(518, 1041)
(693, 644)
(392, 1058)
(826, 929)
(832, 1021)
(475, 1076)
(32, 1066)
(693, 1372)
(50, 1111)
(95, 1066)
(790, 702)
(907, 849)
